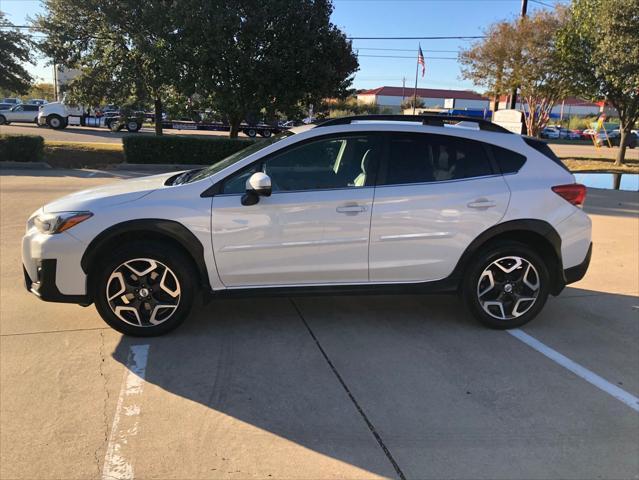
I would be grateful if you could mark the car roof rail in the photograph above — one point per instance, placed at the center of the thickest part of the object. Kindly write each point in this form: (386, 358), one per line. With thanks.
(431, 120)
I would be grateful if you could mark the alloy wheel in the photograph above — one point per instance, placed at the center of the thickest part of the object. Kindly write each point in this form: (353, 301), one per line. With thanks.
(508, 287)
(143, 292)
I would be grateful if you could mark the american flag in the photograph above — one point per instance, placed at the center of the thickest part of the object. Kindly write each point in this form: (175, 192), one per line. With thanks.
(420, 60)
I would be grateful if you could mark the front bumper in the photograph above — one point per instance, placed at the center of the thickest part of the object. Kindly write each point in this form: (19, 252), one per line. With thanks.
(45, 288)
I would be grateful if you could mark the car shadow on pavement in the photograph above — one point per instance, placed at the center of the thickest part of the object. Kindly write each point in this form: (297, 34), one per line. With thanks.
(420, 367)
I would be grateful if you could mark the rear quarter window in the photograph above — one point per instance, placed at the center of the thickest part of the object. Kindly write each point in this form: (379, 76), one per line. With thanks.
(543, 148)
(507, 160)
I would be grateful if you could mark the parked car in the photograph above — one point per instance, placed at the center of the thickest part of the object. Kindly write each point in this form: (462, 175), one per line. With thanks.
(37, 101)
(568, 134)
(550, 133)
(21, 113)
(6, 106)
(12, 101)
(350, 205)
(631, 142)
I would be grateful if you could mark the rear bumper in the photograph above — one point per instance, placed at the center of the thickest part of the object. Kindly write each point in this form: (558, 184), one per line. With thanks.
(576, 273)
(45, 288)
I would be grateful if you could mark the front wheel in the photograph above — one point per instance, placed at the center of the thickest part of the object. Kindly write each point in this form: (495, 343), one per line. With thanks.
(132, 126)
(506, 286)
(144, 290)
(56, 122)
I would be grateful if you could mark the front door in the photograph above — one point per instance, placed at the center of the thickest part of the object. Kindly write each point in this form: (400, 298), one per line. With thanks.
(313, 229)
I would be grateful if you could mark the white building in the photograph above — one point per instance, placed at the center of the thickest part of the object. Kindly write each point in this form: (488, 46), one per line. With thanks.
(392, 97)
(569, 107)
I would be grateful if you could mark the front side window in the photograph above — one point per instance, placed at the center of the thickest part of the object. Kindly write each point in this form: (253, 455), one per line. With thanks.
(420, 158)
(328, 163)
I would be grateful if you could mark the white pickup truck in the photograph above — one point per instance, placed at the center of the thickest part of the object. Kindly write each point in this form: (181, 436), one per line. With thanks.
(59, 115)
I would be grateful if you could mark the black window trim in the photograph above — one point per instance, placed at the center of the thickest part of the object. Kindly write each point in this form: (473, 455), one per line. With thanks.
(216, 189)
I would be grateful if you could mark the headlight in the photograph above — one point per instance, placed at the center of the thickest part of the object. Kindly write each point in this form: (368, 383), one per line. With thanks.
(51, 223)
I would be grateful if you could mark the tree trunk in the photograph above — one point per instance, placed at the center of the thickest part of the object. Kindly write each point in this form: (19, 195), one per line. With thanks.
(235, 127)
(621, 154)
(158, 116)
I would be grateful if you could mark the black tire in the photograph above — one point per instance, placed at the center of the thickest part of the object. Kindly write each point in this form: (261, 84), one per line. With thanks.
(181, 279)
(56, 122)
(133, 126)
(266, 133)
(250, 132)
(115, 126)
(511, 291)
(3, 120)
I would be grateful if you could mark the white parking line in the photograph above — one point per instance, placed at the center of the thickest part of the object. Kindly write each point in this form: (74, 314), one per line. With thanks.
(591, 377)
(125, 420)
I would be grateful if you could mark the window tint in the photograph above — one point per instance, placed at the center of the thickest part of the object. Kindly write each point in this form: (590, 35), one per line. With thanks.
(508, 161)
(336, 162)
(416, 158)
(31, 108)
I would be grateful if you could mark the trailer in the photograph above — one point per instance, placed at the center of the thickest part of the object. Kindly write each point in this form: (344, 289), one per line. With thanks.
(250, 130)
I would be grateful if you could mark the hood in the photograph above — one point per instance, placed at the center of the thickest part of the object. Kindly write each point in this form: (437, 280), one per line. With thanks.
(108, 195)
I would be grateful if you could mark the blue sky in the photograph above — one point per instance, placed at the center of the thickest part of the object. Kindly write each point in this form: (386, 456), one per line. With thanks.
(366, 18)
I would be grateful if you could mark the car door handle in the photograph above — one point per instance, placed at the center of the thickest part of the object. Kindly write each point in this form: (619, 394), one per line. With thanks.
(351, 209)
(482, 203)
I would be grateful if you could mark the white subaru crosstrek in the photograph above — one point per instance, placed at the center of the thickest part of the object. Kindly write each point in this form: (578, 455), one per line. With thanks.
(358, 204)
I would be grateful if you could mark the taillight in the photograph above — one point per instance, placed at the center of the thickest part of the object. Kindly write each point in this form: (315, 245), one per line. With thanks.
(574, 193)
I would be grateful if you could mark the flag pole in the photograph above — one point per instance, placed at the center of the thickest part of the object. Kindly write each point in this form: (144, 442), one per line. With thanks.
(415, 91)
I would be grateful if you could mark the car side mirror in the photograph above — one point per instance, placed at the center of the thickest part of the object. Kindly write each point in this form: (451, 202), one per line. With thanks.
(258, 185)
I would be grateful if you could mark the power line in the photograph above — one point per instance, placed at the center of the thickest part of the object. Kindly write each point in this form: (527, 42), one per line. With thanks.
(462, 37)
(413, 57)
(406, 50)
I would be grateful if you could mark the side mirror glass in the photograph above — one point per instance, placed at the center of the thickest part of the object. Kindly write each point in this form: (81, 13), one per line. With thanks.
(258, 185)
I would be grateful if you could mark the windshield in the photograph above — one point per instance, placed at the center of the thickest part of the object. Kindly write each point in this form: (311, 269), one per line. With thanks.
(237, 156)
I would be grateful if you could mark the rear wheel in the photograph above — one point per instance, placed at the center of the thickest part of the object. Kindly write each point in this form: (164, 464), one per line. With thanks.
(507, 285)
(265, 133)
(145, 289)
(3, 120)
(250, 132)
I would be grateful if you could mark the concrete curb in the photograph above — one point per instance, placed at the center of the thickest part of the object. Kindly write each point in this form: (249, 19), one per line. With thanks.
(23, 165)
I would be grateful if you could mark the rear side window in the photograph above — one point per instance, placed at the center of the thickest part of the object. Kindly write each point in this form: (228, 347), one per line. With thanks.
(418, 158)
(31, 108)
(508, 161)
(544, 149)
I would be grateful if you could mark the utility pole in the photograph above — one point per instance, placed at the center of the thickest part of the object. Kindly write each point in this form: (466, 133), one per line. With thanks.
(403, 89)
(513, 94)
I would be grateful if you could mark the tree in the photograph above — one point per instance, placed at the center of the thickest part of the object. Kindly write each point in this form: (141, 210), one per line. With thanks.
(124, 49)
(15, 51)
(257, 58)
(522, 53)
(599, 47)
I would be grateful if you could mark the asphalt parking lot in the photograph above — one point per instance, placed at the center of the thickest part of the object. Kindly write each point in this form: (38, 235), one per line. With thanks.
(323, 387)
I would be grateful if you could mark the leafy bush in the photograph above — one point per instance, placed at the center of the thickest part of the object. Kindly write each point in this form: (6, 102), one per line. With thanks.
(21, 148)
(176, 149)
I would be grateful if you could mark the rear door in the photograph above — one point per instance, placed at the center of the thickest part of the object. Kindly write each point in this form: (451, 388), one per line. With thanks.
(435, 195)
(313, 229)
